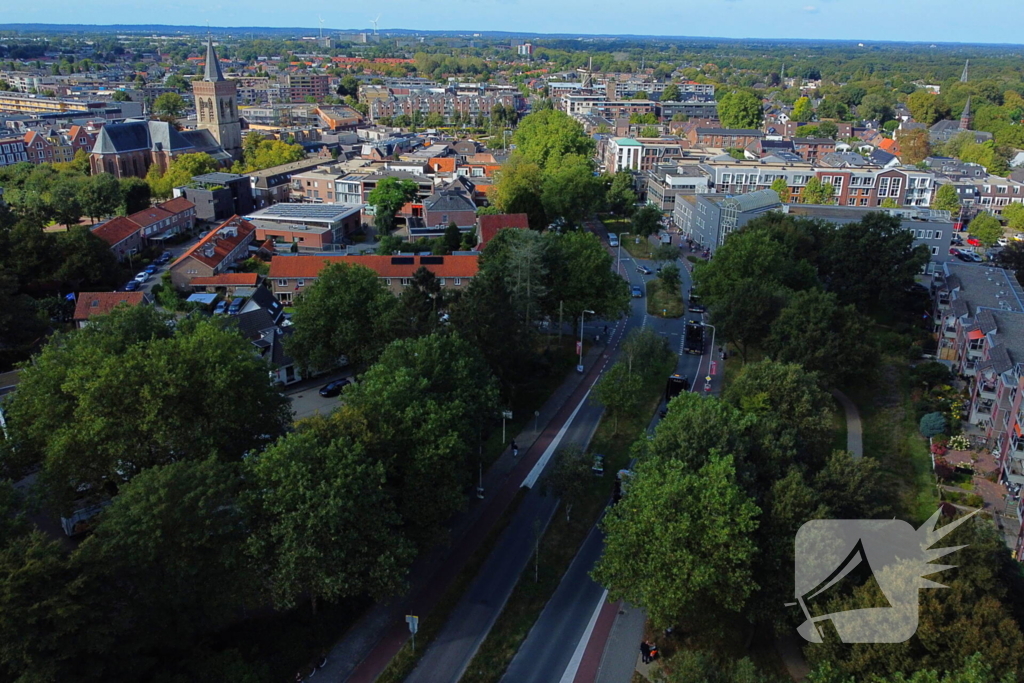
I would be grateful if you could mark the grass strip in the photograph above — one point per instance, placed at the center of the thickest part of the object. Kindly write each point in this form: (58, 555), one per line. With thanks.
(664, 301)
(402, 664)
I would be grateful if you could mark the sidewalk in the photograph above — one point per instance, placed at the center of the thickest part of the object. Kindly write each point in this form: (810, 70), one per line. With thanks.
(376, 637)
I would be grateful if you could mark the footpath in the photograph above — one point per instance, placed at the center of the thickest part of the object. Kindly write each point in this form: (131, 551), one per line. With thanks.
(370, 644)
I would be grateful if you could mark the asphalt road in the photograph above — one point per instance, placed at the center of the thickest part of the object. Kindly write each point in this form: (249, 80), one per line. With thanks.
(554, 647)
(550, 646)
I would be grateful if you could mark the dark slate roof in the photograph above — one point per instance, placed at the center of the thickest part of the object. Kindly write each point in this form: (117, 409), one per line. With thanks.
(881, 157)
(203, 141)
(212, 71)
(253, 323)
(448, 201)
(130, 136)
(268, 302)
(736, 132)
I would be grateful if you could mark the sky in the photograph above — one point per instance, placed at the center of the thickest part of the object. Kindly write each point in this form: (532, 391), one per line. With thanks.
(964, 21)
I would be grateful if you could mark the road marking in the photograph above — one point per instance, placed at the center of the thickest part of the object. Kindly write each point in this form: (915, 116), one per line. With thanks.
(577, 656)
(534, 475)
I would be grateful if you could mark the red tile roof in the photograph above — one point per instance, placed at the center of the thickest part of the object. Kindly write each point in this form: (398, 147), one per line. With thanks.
(101, 303)
(222, 245)
(150, 216)
(443, 164)
(888, 145)
(116, 230)
(177, 205)
(490, 225)
(309, 266)
(227, 280)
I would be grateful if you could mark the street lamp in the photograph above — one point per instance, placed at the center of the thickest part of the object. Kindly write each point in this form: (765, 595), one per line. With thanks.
(579, 368)
(711, 358)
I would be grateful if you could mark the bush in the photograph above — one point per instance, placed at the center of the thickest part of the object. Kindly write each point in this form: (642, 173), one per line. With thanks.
(943, 470)
(930, 374)
(932, 424)
(960, 442)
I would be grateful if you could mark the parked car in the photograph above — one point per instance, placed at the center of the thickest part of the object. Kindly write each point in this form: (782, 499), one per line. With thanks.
(613, 239)
(163, 258)
(236, 306)
(132, 285)
(222, 307)
(151, 268)
(638, 292)
(643, 270)
(332, 389)
(142, 277)
(963, 256)
(1003, 242)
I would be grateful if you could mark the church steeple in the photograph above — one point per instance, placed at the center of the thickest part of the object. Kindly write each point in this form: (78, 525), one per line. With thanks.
(965, 118)
(212, 72)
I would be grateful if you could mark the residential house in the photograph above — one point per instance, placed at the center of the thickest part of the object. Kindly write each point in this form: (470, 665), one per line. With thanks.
(222, 248)
(290, 275)
(261, 328)
(123, 236)
(166, 219)
(449, 206)
(488, 226)
(811, 149)
(274, 184)
(308, 227)
(724, 138)
(91, 304)
(12, 150)
(225, 283)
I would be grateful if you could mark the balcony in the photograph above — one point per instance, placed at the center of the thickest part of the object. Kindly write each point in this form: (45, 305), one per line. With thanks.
(1014, 472)
(988, 390)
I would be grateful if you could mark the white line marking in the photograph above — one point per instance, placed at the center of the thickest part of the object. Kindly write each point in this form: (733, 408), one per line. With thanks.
(577, 656)
(534, 475)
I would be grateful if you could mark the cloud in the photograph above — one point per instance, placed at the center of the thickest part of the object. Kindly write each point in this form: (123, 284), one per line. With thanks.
(810, 9)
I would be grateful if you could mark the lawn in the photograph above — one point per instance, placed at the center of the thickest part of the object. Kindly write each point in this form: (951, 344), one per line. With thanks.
(558, 547)
(641, 249)
(664, 302)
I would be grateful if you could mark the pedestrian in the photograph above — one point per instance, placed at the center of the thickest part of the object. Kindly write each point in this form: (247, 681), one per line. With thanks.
(606, 330)
(652, 651)
(515, 449)
(645, 651)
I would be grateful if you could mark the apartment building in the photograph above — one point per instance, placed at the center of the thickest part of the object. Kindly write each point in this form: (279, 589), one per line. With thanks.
(291, 275)
(724, 138)
(12, 150)
(644, 154)
(662, 185)
(708, 219)
(302, 85)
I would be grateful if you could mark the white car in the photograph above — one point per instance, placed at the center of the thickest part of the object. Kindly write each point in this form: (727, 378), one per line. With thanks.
(142, 277)
(1003, 242)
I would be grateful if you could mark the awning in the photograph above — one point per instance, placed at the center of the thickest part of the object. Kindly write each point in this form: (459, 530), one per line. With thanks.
(1016, 428)
(975, 334)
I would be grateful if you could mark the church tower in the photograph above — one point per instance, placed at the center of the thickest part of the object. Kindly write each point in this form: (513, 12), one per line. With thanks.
(965, 118)
(217, 105)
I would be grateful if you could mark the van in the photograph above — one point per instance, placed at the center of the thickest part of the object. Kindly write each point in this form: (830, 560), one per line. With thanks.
(236, 306)
(613, 239)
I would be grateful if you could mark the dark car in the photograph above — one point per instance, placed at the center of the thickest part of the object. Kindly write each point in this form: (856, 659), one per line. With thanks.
(643, 270)
(132, 286)
(964, 257)
(163, 258)
(151, 269)
(638, 292)
(222, 307)
(332, 389)
(236, 306)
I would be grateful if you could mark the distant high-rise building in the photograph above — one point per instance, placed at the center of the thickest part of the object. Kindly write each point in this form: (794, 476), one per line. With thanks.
(217, 105)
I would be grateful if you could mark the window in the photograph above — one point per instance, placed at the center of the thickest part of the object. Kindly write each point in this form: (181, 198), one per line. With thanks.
(442, 280)
(458, 281)
(897, 187)
(929, 234)
(883, 187)
(387, 281)
(282, 283)
(935, 251)
(300, 283)
(405, 282)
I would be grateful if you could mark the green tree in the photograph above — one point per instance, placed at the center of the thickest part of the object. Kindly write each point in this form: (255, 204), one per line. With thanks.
(66, 208)
(646, 220)
(670, 93)
(135, 193)
(424, 402)
(169, 104)
(571, 191)
(390, 195)
(740, 109)
(545, 136)
(669, 276)
(85, 259)
(78, 410)
(932, 424)
(518, 189)
(946, 199)
(875, 107)
(743, 314)
(570, 476)
(815, 331)
(914, 146)
(817, 192)
(650, 132)
(621, 198)
(691, 565)
(121, 96)
(452, 237)
(926, 107)
(173, 541)
(803, 110)
(324, 523)
(782, 189)
(620, 392)
(1013, 213)
(99, 196)
(346, 312)
(889, 203)
(180, 172)
(832, 108)
(986, 228)
(827, 129)
(578, 276)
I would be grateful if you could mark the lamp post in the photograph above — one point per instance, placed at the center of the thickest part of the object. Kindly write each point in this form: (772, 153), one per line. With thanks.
(711, 357)
(618, 258)
(579, 368)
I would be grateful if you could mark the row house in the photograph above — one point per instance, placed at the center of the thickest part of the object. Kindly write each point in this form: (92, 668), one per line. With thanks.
(12, 150)
(222, 248)
(992, 193)
(57, 146)
(173, 217)
(290, 275)
(812, 149)
(738, 138)
(443, 104)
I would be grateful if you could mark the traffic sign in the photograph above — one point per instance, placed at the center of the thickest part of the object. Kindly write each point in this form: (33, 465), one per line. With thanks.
(414, 623)
(507, 414)
(708, 378)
